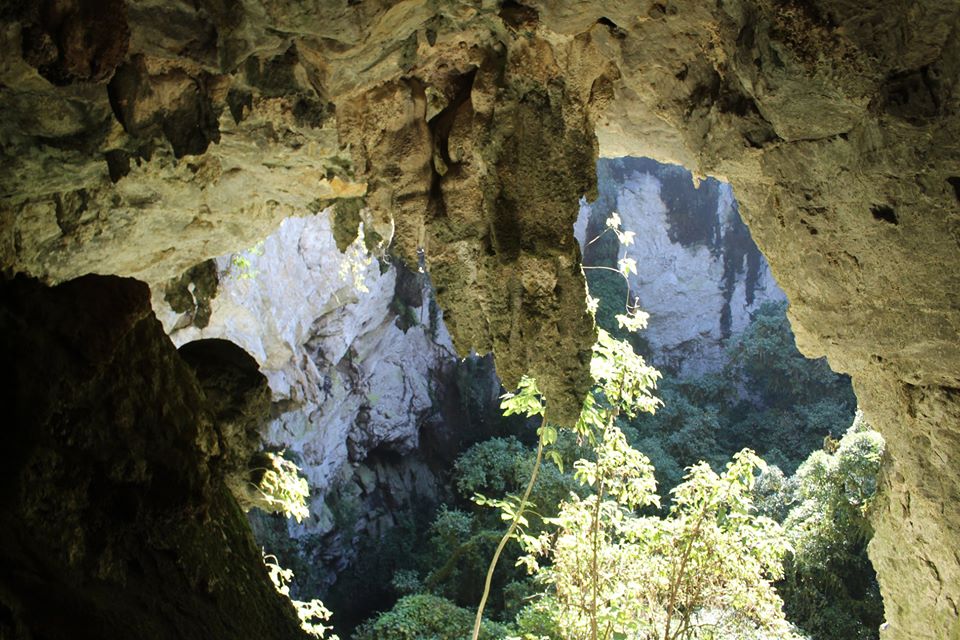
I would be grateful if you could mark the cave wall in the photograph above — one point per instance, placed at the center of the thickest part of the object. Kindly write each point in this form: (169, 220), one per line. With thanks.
(362, 378)
(348, 343)
(117, 518)
(837, 126)
(142, 138)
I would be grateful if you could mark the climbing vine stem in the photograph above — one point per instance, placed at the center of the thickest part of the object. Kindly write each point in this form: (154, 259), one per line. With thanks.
(526, 401)
(506, 538)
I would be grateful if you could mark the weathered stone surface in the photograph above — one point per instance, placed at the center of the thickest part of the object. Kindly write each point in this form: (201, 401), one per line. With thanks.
(700, 275)
(363, 380)
(117, 522)
(486, 191)
(350, 365)
(836, 123)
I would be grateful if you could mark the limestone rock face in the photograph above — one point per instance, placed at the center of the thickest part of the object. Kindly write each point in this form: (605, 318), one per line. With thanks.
(700, 276)
(358, 361)
(220, 122)
(117, 455)
(142, 138)
(344, 377)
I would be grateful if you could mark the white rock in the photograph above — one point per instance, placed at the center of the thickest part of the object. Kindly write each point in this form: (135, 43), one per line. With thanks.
(681, 287)
(346, 377)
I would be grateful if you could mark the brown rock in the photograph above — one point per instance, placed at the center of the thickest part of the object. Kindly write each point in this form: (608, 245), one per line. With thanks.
(112, 494)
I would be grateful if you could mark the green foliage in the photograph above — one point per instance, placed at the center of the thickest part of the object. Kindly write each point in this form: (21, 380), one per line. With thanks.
(830, 588)
(703, 571)
(603, 562)
(462, 540)
(765, 358)
(623, 380)
(526, 401)
(450, 526)
(783, 415)
(385, 568)
(241, 264)
(680, 434)
(489, 467)
(406, 582)
(281, 489)
(609, 289)
(791, 402)
(407, 316)
(426, 617)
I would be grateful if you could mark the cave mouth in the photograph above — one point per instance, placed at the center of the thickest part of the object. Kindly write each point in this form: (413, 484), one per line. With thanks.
(392, 531)
(733, 378)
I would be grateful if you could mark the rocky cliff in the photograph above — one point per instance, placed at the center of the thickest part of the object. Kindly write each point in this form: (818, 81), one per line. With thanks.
(700, 275)
(141, 138)
(349, 353)
(359, 365)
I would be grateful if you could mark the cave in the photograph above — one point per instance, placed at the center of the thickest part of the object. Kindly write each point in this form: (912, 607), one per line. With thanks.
(142, 140)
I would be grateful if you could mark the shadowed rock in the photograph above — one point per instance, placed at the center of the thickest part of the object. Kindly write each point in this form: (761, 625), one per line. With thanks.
(117, 522)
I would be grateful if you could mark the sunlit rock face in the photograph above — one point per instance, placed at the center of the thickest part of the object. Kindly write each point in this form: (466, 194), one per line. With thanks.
(700, 275)
(141, 139)
(359, 365)
(345, 377)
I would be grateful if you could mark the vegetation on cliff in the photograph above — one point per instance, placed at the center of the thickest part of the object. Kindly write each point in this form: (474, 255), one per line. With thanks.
(653, 517)
(742, 552)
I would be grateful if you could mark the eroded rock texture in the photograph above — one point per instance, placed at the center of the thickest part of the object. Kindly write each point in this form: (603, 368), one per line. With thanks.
(167, 133)
(360, 369)
(701, 274)
(117, 519)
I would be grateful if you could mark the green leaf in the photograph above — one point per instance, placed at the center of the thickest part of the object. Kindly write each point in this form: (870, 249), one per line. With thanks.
(626, 266)
(548, 434)
(557, 459)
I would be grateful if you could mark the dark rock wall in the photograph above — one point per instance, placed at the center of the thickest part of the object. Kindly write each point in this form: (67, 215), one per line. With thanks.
(117, 522)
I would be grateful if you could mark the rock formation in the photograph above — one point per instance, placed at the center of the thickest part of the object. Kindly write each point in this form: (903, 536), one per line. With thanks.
(345, 377)
(117, 519)
(700, 274)
(142, 138)
(359, 365)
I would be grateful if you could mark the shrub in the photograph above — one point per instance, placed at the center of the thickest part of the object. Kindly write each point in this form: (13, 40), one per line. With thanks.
(830, 588)
(426, 617)
(312, 613)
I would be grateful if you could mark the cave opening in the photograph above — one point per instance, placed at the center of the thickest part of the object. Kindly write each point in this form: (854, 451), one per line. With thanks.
(395, 434)
(733, 378)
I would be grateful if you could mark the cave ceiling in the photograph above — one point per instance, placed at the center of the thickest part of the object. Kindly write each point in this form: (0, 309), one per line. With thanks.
(141, 138)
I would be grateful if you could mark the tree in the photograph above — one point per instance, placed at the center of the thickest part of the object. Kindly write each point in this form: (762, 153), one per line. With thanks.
(829, 587)
(784, 403)
(768, 398)
(704, 570)
(425, 617)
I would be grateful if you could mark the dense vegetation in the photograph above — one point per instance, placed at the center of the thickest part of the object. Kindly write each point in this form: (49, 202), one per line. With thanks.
(768, 397)
(724, 550)
(730, 506)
